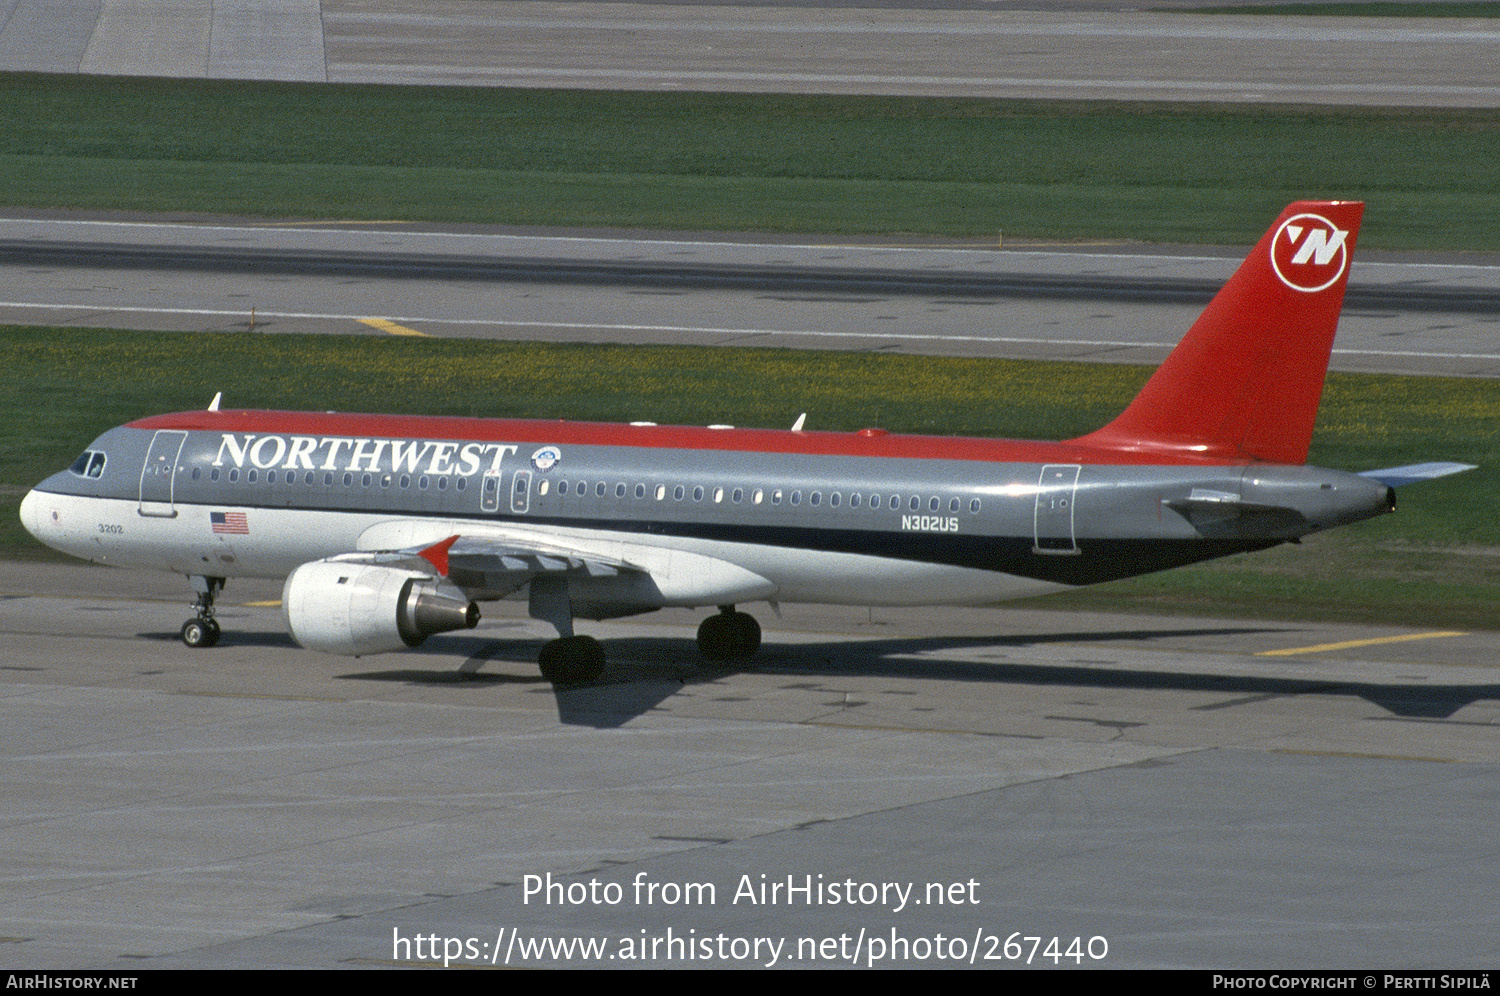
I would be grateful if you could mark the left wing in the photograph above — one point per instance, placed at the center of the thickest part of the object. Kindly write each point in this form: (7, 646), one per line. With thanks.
(404, 583)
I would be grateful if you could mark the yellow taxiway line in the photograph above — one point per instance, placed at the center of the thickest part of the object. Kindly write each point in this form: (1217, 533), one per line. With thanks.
(385, 325)
(1356, 643)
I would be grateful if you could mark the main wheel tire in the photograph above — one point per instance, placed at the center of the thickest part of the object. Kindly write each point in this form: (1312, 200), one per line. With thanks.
(571, 660)
(716, 638)
(728, 635)
(746, 634)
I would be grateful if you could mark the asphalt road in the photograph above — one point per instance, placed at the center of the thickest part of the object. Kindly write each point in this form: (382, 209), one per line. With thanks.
(1067, 51)
(1191, 792)
(1408, 313)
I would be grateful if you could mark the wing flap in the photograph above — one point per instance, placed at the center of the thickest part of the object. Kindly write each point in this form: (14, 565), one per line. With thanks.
(491, 561)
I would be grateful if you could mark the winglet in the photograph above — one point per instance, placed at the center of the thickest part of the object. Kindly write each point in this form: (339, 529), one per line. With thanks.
(213, 405)
(1245, 382)
(437, 554)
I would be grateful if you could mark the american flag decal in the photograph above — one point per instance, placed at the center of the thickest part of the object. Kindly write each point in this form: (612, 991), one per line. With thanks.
(233, 523)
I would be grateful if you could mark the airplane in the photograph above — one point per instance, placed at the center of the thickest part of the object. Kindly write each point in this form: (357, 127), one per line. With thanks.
(391, 528)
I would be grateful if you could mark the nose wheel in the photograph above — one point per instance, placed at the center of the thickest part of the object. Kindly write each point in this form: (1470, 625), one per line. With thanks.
(203, 629)
(200, 632)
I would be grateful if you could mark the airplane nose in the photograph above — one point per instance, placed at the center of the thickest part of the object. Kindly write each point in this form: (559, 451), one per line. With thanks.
(35, 518)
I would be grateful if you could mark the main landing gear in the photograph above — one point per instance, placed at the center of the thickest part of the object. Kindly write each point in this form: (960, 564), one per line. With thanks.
(569, 659)
(203, 629)
(728, 635)
(576, 660)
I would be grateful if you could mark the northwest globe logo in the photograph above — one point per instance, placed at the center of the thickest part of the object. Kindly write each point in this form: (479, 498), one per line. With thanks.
(1308, 253)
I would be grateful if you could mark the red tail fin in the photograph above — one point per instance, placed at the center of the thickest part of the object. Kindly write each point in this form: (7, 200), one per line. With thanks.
(1246, 380)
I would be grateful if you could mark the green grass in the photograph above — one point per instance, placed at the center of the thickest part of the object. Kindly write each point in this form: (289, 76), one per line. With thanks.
(1436, 563)
(1197, 173)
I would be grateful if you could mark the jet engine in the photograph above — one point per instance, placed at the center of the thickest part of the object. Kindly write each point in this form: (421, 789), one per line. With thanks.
(351, 608)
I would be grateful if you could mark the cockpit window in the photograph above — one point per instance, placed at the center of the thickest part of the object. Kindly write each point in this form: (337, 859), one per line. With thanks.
(90, 463)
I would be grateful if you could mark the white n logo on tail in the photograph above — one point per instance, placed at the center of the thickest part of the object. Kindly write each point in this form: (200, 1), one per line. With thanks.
(1308, 253)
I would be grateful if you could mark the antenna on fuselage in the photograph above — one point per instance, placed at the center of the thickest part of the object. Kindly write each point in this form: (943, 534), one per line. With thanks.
(801, 421)
(213, 405)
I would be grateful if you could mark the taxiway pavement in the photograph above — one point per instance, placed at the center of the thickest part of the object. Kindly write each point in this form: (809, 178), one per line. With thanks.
(1124, 303)
(1184, 789)
(1075, 50)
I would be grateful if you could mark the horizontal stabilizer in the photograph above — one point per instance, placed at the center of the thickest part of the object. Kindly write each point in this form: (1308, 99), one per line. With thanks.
(1395, 477)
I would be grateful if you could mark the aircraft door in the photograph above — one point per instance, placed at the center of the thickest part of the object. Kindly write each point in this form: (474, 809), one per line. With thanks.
(1056, 494)
(159, 473)
(520, 492)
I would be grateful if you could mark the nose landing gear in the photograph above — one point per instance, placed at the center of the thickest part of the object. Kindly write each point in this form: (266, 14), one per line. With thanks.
(203, 629)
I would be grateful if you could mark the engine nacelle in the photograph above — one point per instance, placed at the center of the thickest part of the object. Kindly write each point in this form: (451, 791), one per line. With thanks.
(349, 608)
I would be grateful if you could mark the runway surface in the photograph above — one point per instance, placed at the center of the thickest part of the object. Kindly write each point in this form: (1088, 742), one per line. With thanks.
(1066, 51)
(1412, 313)
(1192, 792)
